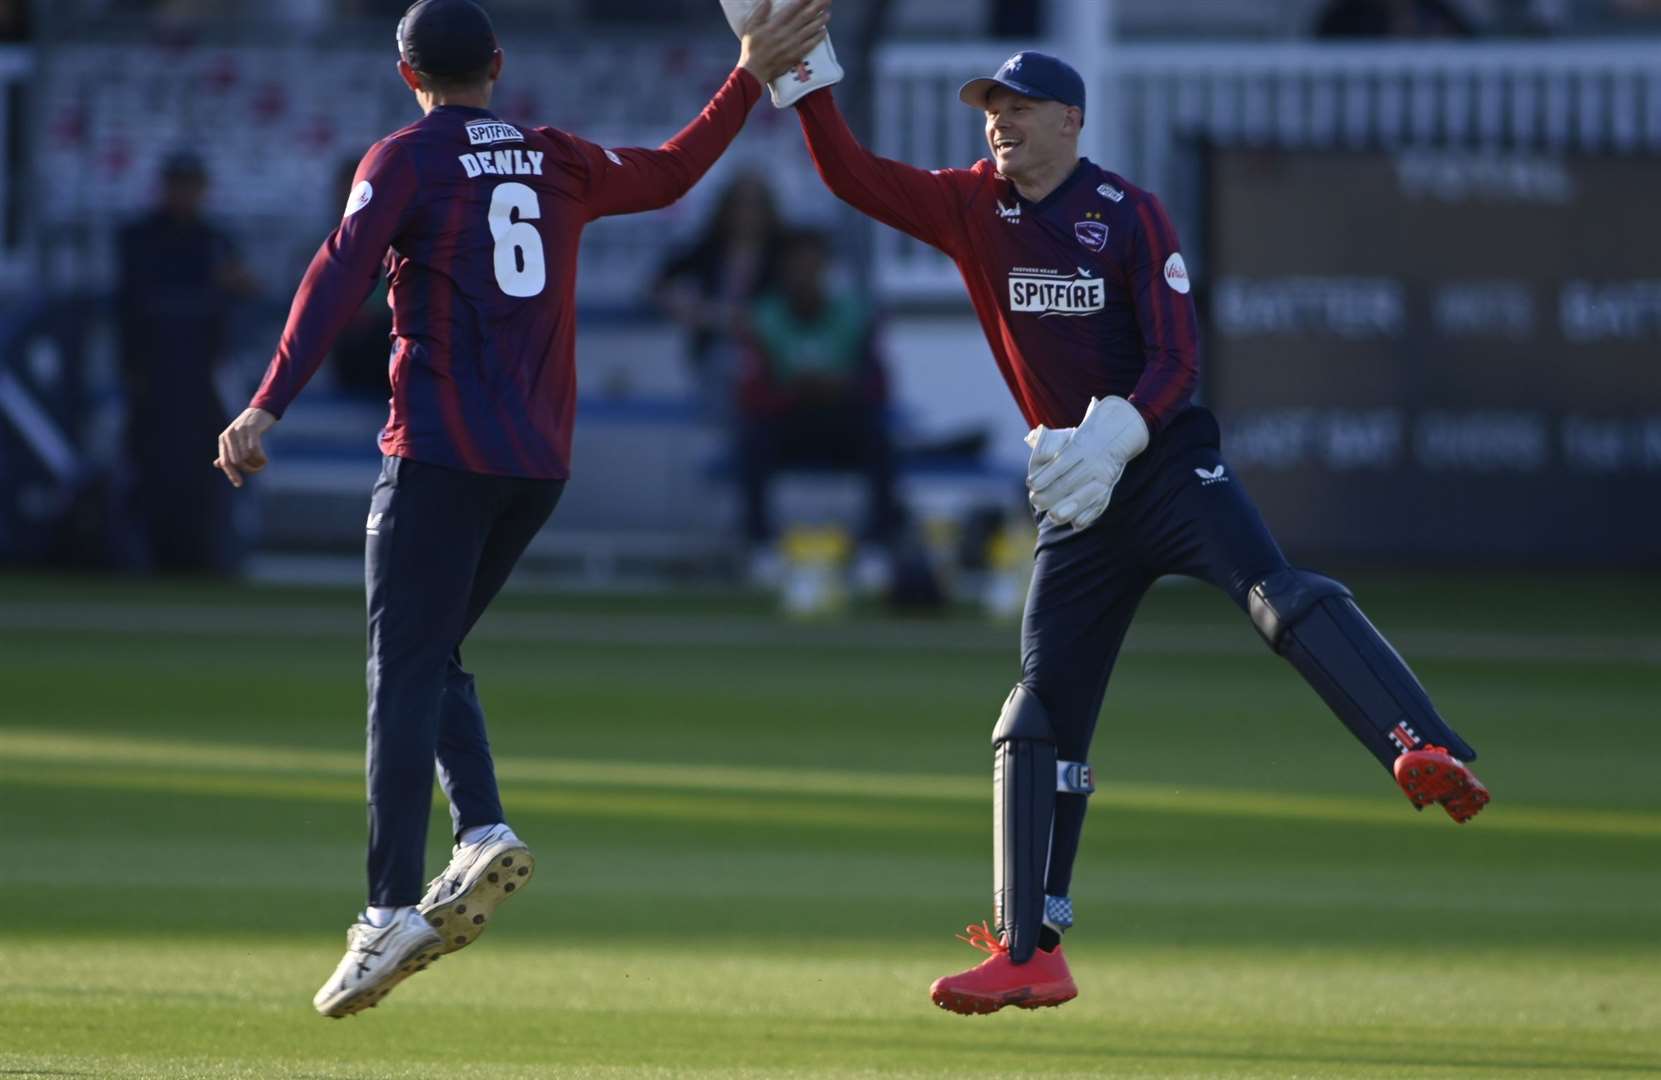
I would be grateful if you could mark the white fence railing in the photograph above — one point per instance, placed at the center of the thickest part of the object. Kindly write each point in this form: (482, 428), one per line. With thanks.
(1592, 97)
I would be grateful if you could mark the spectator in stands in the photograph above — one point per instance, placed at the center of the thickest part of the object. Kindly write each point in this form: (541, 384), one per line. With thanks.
(363, 350)
(813, 393)
(1392, 18)
(707, 287)
(179, 279)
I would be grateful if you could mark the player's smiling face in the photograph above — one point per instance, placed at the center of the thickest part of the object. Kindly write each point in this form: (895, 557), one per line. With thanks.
(1026, 133)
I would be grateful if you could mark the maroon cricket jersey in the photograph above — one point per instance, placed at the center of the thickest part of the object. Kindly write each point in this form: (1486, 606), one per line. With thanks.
(477, 221)
(1081, 295)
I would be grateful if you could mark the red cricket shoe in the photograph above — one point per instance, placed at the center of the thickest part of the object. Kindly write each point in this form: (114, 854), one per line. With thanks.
(995, 982)
(1432, 775)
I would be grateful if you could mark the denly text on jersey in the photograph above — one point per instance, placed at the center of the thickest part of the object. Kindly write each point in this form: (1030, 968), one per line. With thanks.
(503, 163)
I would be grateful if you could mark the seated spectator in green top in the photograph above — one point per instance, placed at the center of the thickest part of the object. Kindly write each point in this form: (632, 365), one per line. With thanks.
(812, 392)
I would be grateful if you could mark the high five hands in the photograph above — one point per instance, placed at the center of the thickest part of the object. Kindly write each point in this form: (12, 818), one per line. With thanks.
(785, 44)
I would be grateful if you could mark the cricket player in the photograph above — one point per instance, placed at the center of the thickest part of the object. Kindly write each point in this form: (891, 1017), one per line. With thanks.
(477, 220)
(1079, 283)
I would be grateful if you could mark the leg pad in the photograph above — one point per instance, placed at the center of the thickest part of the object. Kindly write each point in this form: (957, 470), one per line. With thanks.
(1314, 623)
(1024, 772)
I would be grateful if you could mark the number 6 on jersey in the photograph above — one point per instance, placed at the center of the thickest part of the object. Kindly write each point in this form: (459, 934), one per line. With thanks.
(519, 264)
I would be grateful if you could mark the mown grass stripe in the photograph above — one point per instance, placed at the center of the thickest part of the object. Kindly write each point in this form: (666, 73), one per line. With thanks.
(1232, 638)
(124, 762)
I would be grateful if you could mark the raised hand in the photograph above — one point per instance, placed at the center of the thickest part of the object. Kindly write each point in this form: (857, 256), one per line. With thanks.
(775, 37)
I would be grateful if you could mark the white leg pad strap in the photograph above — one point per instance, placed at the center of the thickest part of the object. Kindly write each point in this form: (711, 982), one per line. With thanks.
(1074, 778)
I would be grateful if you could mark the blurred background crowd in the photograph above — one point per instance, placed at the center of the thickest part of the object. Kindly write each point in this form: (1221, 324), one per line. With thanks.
(1426, 271)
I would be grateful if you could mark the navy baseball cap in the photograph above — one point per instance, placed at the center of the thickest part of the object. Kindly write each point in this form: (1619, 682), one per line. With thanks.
(447, 38)
(1033, 74)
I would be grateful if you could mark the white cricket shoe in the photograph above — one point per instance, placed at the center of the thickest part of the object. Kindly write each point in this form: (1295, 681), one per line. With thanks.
(377, 959)
(460, 902)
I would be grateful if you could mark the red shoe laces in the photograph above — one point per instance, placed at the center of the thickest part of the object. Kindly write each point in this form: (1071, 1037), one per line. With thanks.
(982, 938)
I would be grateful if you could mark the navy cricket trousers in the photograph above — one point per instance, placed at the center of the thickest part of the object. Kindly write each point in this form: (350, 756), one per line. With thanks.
(441, 543)
(1177, 510)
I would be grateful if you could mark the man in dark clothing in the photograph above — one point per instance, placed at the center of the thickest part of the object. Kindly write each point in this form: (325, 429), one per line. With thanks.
(179, 278)
(708, 287)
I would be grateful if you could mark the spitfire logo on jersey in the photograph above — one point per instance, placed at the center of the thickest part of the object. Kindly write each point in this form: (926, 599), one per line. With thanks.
(486, 132)
(1045, 292)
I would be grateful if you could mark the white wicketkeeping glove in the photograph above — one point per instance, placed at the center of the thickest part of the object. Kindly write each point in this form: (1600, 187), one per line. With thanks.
(817, 69)
(1073, 470)
(1046, 443)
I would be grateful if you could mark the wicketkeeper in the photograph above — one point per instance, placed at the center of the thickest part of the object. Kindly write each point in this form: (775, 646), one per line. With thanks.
(1079, 282)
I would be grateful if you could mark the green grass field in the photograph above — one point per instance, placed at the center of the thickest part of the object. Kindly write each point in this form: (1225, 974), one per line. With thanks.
(756, 840)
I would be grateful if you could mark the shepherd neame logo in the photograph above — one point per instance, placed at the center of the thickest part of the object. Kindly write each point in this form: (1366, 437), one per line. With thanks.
(1042, 291)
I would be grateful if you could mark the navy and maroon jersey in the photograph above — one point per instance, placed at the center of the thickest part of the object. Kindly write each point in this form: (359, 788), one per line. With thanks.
(1082, 295)
(477, 222)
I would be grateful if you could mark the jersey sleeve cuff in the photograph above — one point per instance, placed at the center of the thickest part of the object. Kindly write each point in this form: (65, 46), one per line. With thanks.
(1148, 416)
(821, 98)
(264, 403)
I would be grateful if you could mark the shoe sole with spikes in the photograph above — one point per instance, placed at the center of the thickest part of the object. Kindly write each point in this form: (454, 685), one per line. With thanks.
(460, 919)
(1432, 775)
